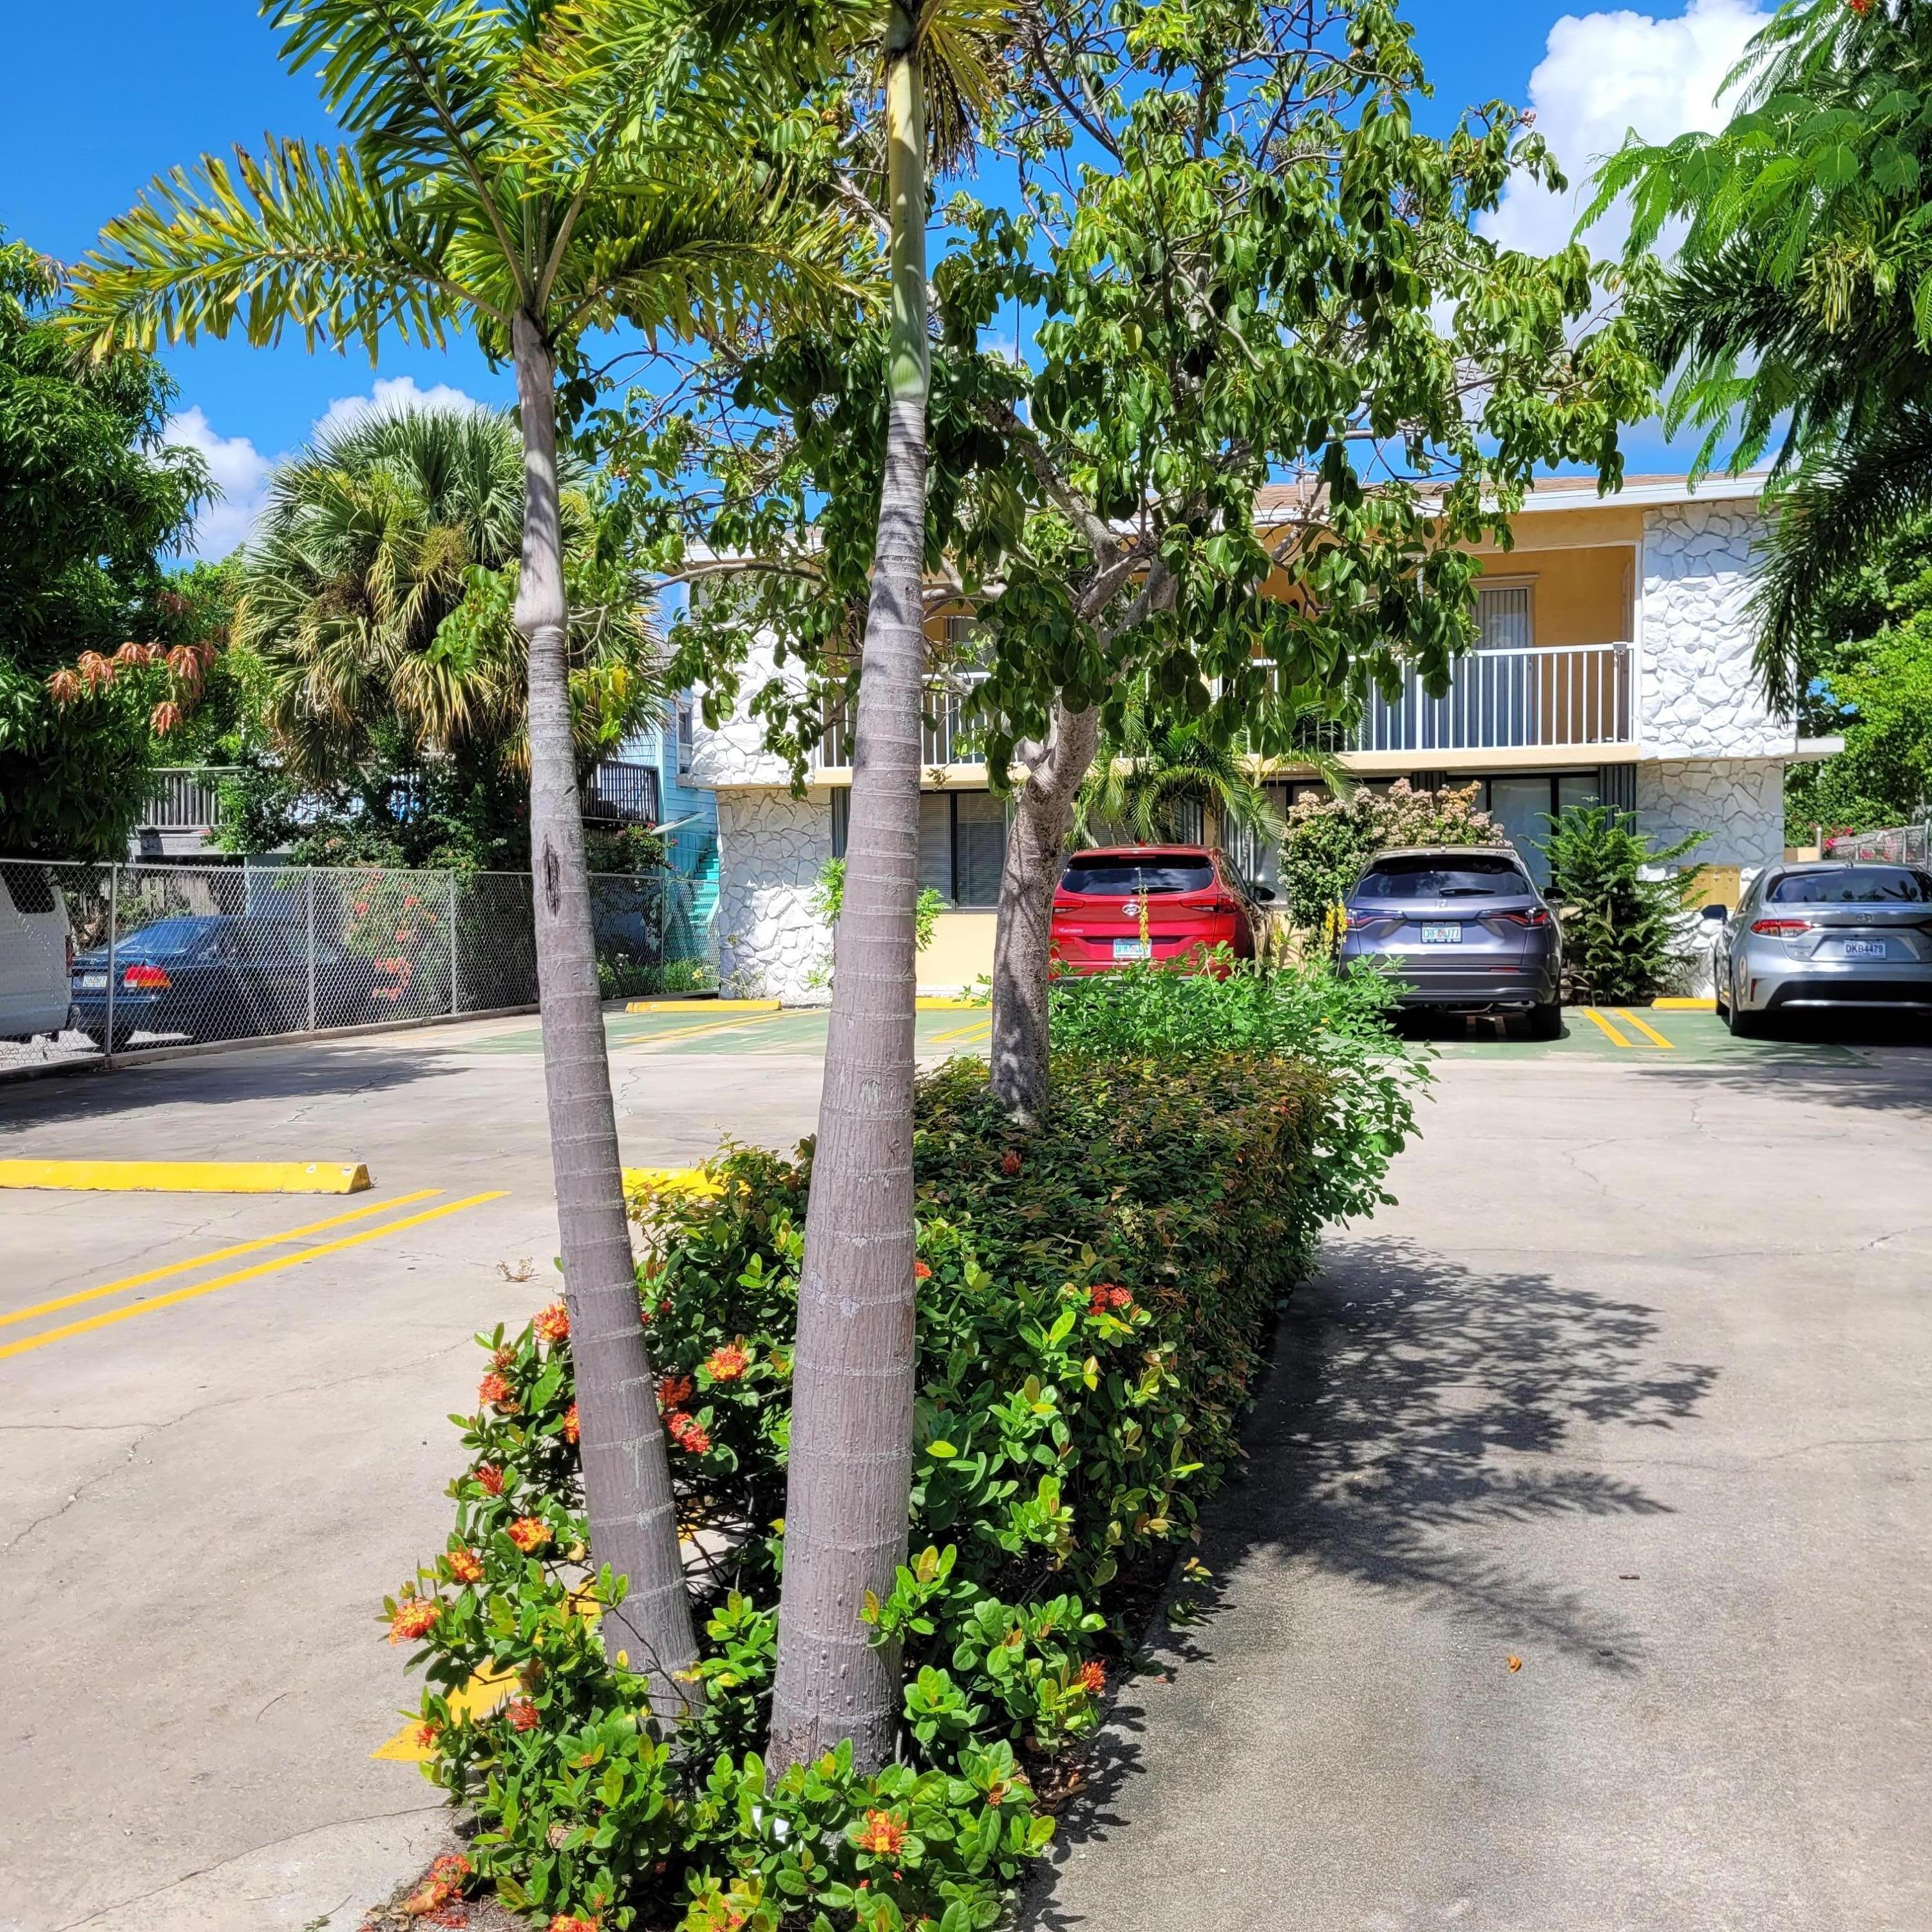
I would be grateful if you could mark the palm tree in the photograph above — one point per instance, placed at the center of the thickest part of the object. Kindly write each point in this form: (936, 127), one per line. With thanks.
(509, 172)
(849, 1481)
(377, 591)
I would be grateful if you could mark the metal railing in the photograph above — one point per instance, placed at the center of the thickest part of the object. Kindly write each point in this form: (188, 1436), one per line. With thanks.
(103, 959)
(1895, 845)
(185, 798)
(947, 728)
(619, 793)
(1575, 695)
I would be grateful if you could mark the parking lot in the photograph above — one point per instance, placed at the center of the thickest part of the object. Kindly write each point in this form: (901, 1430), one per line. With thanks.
(225, 1417)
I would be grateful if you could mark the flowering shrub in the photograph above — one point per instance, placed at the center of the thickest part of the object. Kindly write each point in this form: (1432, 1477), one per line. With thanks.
(1095, 1294)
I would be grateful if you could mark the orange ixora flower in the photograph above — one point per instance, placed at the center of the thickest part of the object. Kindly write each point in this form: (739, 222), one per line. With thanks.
(1093, 1679)
(452, 1868)
(416, 1617)
(565, 1922)
(426, 1736)
(504, 1358)
(553, 1324)
(882, 1834)
(466, 1566)
(673, 1392)
(523, 1714)
(727, 1364)
(688, 1433)
(920, 1272)
(490, 1477)
(495, 1390)
(1109, 1298)
(572, 1428)
(529, 1533)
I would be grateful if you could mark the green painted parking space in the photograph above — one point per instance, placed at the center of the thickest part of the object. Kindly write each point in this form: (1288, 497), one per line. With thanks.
(1676, 1036)
(798, 1029)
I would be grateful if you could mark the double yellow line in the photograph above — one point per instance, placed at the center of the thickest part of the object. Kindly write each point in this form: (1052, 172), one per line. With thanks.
(1630, 1019)
(149, 1303)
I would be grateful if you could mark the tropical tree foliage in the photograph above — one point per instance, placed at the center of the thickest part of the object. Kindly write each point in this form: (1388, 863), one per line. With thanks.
(95, 640)
(531, 173)
(1799, 311)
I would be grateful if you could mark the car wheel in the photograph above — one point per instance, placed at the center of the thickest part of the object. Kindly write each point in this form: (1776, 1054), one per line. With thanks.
(1543, 1022)
(1743, 1025)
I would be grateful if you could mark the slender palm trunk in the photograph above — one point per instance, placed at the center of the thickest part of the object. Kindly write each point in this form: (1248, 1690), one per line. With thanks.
(850, 1470)
(1042, 816)
(626, 1476)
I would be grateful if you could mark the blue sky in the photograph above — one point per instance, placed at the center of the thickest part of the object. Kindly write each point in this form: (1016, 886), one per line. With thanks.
(107, 93)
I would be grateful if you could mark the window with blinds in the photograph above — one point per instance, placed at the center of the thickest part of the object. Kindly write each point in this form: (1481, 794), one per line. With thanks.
(1502, 618)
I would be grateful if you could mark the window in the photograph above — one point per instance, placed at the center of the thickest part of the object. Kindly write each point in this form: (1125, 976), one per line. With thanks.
(1101, 878)
(687, 709)
(841, 820)
(1522, 804)
(1502, 618)
(1856, 885)
(935, 842)
(979, 847)
(1483, 875)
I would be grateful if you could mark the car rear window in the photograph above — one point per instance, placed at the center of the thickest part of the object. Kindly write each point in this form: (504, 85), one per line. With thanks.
(174, 938)
(1106, 877)
(1857, 885)
(28, 887)
(1480, 876)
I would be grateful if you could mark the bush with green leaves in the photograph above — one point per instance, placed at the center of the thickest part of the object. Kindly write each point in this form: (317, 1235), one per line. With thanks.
(1330, 840)
(828, 896)
(1096, 1291)
(1621, 903)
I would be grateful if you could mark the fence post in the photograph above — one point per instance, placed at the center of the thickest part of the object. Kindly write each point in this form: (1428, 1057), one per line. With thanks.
(455, 1001)
(308, 894)
(113, 938)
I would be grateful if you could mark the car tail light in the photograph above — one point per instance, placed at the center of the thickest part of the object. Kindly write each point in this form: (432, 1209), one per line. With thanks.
(1535, 916)
(1780, 928)
(146, 980)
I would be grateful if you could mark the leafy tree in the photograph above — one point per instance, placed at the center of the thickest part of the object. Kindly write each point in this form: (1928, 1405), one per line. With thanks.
(1622, 933)
(374, 621)
(1882, 687)
(91, 501)
(532, 173)
(1799, 311)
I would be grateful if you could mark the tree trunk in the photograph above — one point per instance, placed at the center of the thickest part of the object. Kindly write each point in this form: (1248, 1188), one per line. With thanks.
(626, 1476)
(850, 1469)
(1042, 816)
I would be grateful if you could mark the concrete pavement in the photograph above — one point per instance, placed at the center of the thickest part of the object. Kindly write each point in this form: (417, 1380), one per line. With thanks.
(1631, 1387)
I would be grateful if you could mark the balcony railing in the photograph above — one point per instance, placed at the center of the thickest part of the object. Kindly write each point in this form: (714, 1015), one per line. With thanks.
(185, 798)
(622, 794)
(946, 731)
(1577, 694)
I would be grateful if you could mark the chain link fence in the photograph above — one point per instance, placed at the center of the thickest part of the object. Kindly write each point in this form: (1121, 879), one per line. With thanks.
(1896, 845)
(101, 960)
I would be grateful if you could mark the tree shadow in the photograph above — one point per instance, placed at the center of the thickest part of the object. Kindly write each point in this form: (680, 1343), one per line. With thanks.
(1413, 1407)
(1866, 1061)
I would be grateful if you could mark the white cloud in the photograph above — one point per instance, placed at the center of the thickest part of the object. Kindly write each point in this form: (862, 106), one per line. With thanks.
(389, 393)
(1603, 74)
(241, 472)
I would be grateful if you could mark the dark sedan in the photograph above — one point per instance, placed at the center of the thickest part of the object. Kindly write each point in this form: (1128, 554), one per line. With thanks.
(1464, 928)
(219, 976)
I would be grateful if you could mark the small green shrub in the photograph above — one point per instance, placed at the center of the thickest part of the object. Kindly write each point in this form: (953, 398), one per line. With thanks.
(827, 897)
(1096, 1293)
(620, 976)
(1329, 840)
(1623, 936)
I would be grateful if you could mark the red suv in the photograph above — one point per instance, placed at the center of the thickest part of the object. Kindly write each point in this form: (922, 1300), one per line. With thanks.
(1120, 904)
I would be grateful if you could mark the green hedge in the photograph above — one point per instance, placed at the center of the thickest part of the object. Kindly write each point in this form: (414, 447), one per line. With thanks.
(1096, 1295)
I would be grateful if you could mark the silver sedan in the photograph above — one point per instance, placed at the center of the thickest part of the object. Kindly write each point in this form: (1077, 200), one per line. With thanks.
(1832, 933)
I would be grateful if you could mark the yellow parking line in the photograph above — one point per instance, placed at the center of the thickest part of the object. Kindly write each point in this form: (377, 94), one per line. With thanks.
(128, 1281)
(1649, 1032)
(975, 1029)
(1591, 1012)
(685, 1032)
(702, 1007)
(260, 1268)
(190, 1177)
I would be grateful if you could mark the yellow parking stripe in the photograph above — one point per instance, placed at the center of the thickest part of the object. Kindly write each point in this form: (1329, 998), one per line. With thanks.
(1591, 1012)
(128, 1281)
(1649, 1032)
(190, 1177)
(684, 1032)
(254, 1274)
(702, 1007)
(976, 1030)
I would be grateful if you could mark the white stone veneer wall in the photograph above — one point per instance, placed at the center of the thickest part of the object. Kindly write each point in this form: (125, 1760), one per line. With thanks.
(1698, 697)
(1739, 802)
(771, 848)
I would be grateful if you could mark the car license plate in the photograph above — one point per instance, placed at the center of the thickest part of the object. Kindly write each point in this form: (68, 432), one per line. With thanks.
(1442, 935)
(1130, 949)
(94, 982)
(1864, 948)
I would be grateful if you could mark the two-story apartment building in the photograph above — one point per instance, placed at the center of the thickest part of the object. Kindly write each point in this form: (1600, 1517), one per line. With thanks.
(1612, 665)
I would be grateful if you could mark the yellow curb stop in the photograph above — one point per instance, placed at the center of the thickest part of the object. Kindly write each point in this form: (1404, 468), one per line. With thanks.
(935, 1003)
(670, 1180)
(702, 1007)
(189, 1177)
(1687, 1005)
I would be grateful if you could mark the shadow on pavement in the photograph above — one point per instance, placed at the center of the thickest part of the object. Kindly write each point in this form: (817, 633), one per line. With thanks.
(1875, 1061)
(1385, 1448)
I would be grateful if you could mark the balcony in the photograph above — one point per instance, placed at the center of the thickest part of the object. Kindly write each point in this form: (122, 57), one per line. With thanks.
(619, 793)
(1573, 696)
(946, 732)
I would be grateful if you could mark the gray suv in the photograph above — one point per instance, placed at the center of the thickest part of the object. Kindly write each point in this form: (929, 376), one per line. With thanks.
(1832, 933)
(1464, 928)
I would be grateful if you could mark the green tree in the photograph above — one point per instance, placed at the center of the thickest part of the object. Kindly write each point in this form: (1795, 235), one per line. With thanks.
(1798, 309)
(374, 622)
(1881, 688)
(1623, 903)
(92, 502)
(532, 173)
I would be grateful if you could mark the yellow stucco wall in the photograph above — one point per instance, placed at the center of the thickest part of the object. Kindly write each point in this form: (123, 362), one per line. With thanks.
(1579, 596)
(962, 952)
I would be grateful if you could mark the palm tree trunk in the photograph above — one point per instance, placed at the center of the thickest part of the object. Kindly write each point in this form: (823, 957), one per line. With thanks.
(626, 1476)
(1042, 816)
(851, 1469)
